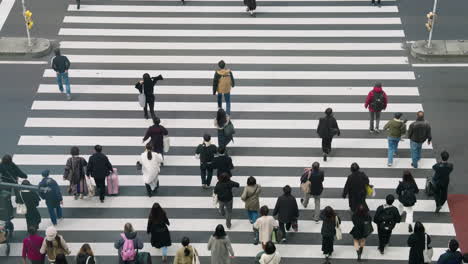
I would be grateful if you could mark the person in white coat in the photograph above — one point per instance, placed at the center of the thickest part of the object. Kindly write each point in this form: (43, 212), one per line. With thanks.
(150, 164)
(265, 225)
(270, 256)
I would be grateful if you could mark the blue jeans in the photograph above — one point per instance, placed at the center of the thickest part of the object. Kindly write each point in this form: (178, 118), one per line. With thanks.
(53, 215)
(392, 148)
(253, 215)
(63, 76)
(415, 152)
(227, 98)
(164, 251)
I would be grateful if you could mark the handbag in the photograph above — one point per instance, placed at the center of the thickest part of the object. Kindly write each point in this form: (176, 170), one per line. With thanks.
(229, 130)
(338, 233)
(429, 188)
(215, 200)
(139, 167)
(274, 235)
(21, 208)
(166, 144)
(370, 190)
(368, 228)
(91, 184)
(427, 252)
(196, 259)
(142, 96)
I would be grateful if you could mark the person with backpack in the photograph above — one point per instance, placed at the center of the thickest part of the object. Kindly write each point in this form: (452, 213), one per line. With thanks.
(407, 190)
(53, 245)
(287, 211)
(205, 152)
(327, 128)
(158, 228)
(156, 132)
(362, 228)
(31, 247)
(99, 167)
(75, 173)
(251, 197)
(220, 246)
(85, 255)
(223, 163)
(146, 87)
(355, 188)
(314, 178)
(50, 192)
(441, 180)
(187, 254)
(331, 222)
(376, 102)
(396, 128)
(386, 217)
(127, 245)
(264, 226)
(452, 255)
(31, 200)
(61, 65)
(150, 164)
(221, 123)
(418, 132)
(223, 82)
(223, 190)
(418, 242)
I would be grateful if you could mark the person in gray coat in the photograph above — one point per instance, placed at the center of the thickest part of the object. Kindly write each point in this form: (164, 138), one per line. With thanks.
(220, 247)
(129, 234)
(287, 210)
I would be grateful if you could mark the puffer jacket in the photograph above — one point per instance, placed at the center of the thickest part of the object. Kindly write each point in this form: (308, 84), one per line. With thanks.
(396, 128)
(250, 196)
(370, 97)
(217, 76)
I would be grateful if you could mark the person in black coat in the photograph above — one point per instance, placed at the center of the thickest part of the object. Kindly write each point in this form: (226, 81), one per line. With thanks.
(157, 227)
(146, 86)
(386, 217)
(287, 211)
(223, 163)
(156, 132)
(9, 171)
(362, 228)
(417, 244)
(328, 230)
(31, 199)
(99, 167)
(316, 177)
(327, 128)
(223, 190)
(407, 190)
(206, 152)
(355, 188)
(251, 6)
(441, 180)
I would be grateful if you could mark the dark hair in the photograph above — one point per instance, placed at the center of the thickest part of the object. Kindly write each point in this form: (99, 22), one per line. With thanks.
(420, 115)
(354, 167)
(146, 77)
(50, 244)
(328, 111)
(221, 118)
(185, 242)
(264, 210)
(219, 232)
(86, 250)
(287, 190)
(361, 210)
(453, 245)
(251, 181)
(74, 151)
(224, 177)
(98, 148)
(329, 212)
(7, 159)
(315, 166)
(419, 228)
(397, 115)
(444, 155)
(60, 259)
(156, 120)
(25, 182)
(57, 52)
(390, 199)
(32, 230)
(221, 64)
(149, 150)
(378, 84)
(206, 137)
(270, 248)
(221, 150)
(408, 177)
(157, 214)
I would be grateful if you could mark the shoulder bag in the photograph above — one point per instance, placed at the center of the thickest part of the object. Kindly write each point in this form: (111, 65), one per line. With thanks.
(196, 259)
(428, 252)
(305, 186)
(166, 144)
(142, 96)
(21, 208)
(338, 233)
(215, 200)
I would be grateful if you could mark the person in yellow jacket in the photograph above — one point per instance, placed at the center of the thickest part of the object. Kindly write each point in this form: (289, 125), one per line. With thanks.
(223, 82)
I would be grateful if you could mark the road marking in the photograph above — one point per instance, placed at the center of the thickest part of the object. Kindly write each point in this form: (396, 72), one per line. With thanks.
(5, 8)
(23, 62)
(441, 65)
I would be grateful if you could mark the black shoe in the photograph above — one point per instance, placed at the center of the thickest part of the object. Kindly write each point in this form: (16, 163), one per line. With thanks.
(324, 157)
(437, 210)
(146, 116)
(381, 250)
(410, 229)
(102, 201)
(359, 253)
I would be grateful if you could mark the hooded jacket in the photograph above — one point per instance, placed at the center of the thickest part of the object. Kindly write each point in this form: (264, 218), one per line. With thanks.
(137, 244)
(370, 97)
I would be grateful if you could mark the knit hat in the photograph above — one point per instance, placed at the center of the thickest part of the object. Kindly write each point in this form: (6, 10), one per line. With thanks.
(51, 233)
(45, 173)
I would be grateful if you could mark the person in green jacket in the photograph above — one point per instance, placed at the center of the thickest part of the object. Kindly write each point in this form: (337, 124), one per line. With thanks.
(395, 129)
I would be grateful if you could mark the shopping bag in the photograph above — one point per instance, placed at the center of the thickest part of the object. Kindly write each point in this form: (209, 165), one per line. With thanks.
(338, 233)
(142, 99)
(91, 186)
(215, 200)
(166, 144)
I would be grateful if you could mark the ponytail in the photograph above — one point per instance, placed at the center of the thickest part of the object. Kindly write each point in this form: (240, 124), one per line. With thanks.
(149, 155)
(149, 149)
(187, 251)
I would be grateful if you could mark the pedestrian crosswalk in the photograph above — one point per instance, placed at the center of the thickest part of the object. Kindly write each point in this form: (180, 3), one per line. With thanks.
(291, 62)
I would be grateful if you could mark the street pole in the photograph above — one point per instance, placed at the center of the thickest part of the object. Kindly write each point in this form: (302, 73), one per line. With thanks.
(26, 24)
(433, 24)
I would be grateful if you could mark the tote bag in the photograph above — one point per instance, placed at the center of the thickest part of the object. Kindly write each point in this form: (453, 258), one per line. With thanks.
(166, 144)
(428, 252)
(142, 99)
(338, 233)
(21, 208)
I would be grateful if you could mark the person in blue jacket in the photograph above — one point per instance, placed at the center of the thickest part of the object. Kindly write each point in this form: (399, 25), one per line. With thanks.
(50, 192)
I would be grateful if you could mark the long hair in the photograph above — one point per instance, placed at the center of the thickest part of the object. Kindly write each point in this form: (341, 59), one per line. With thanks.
(185, 243)
(157, 214)
(50, 244)
(86, 250)
(128, 228)
(219, 232)
(329, 213)
(408, 177)
(221, 118)
(361, 211)
(149, 150)
(147, 82)
(419, 228)
(6, 159)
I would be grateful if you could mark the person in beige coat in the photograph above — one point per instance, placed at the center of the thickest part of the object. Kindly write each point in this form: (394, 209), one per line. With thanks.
(251, 198)
(265, 225)
(186, 254)
(53, 245)
(271, 255)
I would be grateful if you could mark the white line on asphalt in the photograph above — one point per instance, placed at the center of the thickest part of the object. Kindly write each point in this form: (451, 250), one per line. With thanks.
(198, 1)
(441, 65)
(23, 62)
(5, 8)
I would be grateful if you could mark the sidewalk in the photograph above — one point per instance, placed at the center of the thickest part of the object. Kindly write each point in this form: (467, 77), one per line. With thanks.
(440, 49)
(19, 47)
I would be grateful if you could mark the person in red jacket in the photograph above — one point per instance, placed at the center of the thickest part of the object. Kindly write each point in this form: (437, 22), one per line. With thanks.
(376, 101)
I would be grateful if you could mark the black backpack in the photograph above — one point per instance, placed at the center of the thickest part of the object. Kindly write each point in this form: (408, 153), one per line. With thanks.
(408, 198)
(206, 155)
(378, 101)
(387, 218)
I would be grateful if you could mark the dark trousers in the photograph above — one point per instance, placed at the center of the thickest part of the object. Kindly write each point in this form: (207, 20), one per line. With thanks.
(384, 236)
(77, 4)
(440, 194)
(326, 145)
(206, 173)
(150, 103)
(327, 244)
(101, 186)
(378, 1)
(283, 227)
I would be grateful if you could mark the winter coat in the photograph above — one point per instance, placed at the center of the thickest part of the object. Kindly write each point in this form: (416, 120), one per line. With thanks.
(99, 166)
(416, 242)
(160, 236)
(224, 190)
(60, 63)
(252, 5)
(206, 152)
(328, 127)
(355, 189)
(31, 200)
(180, 257)
(52, 197)
(370, 96)
(407, 193)
(442, 172)
(223, 140)
(390, 210)
(156, 133)
(74, 170)
(217, 76)
(150, 168)
(286, 209)
(360, 226)
(83, 259)
(251, 197)
(57, 248)
(450, 257)
(31, 248)
(395, 128)
(328, 225)
(137, 244)
(265, 226)
(220, 250)
(222, 164)
(148, 88)
(316, 179)
(274, 258)
(419, 131)
(10, 173)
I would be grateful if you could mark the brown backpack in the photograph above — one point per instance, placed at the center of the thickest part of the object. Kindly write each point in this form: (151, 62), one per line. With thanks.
(224, 83)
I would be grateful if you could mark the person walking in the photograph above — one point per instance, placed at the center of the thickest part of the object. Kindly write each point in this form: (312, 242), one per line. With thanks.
(223, 163)
(61, 65)
(264, 226)
(221, 121)
(327, 128)
(417, 242)
(270, 255)
(31, 200)
(287, 211)
(158, 228)
(127, 249)
(376, 102)
(220, 246)
(355, 188)
(407, 190)
(223, 82)
(378, 3)
(186, 254)
(386, 217)
(53, 245)
(156, 132)
(85, 255)
(315, 177)
(251, 197)
(99, 167)
(418, 132)
(223, 190)
(441, 180)
(330, 222)
(251, 6)
(146, 87)
(206, 153)
(150, 164)
(452, 255)
(31, 247)
(395, 129)
(9, 171)
(50, 192)
(362, 228)
(75, 173)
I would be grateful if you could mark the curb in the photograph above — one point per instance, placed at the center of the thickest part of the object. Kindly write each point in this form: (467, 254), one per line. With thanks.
(440, 49)
(19, 47)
